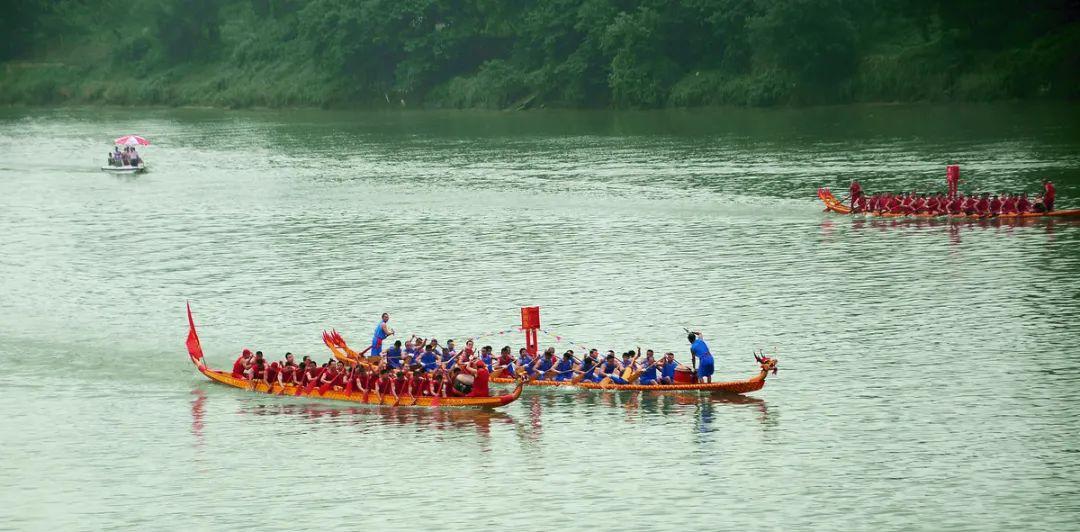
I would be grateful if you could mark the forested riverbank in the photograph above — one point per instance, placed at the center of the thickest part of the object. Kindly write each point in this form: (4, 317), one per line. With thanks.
(562, 53)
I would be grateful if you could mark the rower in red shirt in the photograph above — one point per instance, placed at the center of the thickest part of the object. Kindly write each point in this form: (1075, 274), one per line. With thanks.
(288, 369)
(907, 205)
(1008, 205)
(273, 373)
(329, 376)
(892, 203)
(919, 204)
(257, 371)
(995, 205)
(1048, 195)
(982, 205)
(311, 373)
(1023, 204)
(933, 204)
(242, 364)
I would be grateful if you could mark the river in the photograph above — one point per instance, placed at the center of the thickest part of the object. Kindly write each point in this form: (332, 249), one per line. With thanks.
(929, 371)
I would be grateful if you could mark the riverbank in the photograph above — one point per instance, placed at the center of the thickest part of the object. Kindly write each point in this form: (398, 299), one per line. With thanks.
(279, 86)
(280, 54)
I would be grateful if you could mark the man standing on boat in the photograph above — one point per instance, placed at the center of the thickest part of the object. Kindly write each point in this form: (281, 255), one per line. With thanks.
(700, 352)
(1048, 195)
(854, 192)
(382, 331)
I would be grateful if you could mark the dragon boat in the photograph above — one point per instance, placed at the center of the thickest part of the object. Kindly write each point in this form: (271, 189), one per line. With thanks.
(684, 382)
(684, 377)
(835, 205)
(195, 351)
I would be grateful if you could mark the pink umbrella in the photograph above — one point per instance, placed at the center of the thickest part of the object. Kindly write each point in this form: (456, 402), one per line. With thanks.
(132, 140)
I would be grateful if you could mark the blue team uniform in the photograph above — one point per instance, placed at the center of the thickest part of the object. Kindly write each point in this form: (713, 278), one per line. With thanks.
(705, 359)
(377, 339)
(667, 371)
(544, 365)
(430, 360)
(564, 370)
(393, 357)
(611, 368)
(648, 375)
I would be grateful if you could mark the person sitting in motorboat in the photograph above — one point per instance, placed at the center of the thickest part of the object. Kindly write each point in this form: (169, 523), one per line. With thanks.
(134, 157)
(115, 157)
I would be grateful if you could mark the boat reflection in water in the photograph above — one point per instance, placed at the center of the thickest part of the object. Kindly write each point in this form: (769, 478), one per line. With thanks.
(429, 418)
(635, 406)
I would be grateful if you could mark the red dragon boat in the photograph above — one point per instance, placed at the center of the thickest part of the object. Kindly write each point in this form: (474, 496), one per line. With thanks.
(835, 205)
(685, 380)
(194, 348)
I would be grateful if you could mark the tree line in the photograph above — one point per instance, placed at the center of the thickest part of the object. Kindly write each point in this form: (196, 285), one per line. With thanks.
(582, 53)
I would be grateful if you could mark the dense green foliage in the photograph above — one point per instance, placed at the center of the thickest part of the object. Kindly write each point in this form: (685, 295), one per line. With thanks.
(497, 54)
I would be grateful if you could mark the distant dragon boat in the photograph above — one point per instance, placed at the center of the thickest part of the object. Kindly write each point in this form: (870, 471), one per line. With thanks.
(195, 351)
(835, 205)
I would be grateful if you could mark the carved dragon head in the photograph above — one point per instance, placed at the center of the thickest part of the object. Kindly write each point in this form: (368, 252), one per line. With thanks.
(767, 363)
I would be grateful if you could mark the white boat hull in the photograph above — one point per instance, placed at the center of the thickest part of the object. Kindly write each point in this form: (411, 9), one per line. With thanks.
(124, 169)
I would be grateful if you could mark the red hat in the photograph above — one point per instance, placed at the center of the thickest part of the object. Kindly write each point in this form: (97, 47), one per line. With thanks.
(247, 352)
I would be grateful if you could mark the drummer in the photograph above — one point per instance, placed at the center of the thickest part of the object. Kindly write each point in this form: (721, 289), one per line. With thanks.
(479, 375)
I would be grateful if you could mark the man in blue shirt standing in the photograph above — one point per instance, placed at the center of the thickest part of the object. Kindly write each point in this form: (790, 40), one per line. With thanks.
(382, 331)
(700, 351)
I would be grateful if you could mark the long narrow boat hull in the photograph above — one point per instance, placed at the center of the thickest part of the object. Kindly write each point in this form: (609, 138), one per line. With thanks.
(835, 205)
(752, 384)
(195, 352)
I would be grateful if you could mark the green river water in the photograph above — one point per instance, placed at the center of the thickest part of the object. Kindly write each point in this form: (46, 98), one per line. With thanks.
(929, 371)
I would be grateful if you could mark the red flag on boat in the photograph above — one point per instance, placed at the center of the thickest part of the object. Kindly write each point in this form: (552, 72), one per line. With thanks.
(193, 346)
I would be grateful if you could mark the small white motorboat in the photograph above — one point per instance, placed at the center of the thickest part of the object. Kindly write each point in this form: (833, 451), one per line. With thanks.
(120, 162)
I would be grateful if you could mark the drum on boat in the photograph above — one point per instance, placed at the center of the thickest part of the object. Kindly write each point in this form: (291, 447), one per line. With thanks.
(684, 375)
(463, 383)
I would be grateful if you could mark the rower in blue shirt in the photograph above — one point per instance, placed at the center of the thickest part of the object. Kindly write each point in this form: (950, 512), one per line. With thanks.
(667, 368)
(429, 359)
(525, 362)
(546, 363)
(648, 375)
(485, 356)
(393, 355)
(611, 368)
(700, 351)
(564, 370)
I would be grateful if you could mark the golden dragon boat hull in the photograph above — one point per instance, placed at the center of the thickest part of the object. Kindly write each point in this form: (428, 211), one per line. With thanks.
(835, 205)
(196, 354)
(752, 384)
